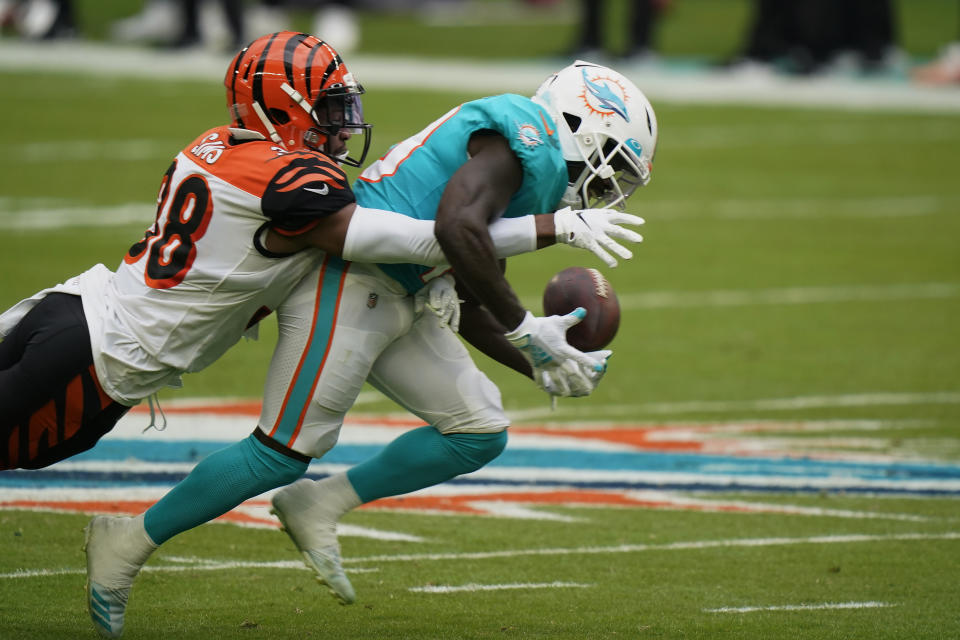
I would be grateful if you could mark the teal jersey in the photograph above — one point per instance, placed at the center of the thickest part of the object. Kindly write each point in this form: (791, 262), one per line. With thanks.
(411, 177)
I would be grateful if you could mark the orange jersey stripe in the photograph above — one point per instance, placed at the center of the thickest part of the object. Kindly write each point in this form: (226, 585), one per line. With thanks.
(306, 350)
(323, 361)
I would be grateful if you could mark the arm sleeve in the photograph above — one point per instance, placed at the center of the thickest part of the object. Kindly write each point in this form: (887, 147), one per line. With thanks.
(386, 237)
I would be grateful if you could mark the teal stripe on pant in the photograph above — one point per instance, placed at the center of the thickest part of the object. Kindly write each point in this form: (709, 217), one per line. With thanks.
(301, 388)
(422, 458)
(220, 482)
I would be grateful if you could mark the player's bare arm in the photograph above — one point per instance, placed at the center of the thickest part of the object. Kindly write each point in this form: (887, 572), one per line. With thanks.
(481, 329)
(473, 198)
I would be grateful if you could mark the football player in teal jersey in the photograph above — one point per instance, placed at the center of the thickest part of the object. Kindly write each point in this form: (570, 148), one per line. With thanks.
(586, 139)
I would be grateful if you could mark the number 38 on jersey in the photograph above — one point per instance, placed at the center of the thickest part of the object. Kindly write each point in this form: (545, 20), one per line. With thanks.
(170, 244)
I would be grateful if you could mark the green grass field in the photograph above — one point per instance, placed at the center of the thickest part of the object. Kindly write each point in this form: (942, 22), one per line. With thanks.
(800, 266)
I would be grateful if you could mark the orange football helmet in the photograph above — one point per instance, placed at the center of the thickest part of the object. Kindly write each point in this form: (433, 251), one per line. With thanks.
(294, 88)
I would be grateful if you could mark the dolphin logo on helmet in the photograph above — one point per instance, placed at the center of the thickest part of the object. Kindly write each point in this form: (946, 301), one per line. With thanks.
(605, 96)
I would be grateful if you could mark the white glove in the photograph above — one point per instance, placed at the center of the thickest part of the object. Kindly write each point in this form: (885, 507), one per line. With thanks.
(570, 379)
(439, 297)
(543, 341)
(593, 230)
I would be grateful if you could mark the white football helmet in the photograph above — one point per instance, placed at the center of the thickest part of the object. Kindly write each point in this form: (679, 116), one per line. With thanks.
(607, 131)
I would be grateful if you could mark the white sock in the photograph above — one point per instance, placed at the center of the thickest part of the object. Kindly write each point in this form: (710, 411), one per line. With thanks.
(338, 497)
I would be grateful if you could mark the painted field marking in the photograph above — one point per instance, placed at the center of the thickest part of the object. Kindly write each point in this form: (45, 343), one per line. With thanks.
(763, 404)
(430, 588)
(805, 607)
(673, 546)
(624, 548)
(711, 136)
(789, 295)
(652, 300)
(907, 206)
(91, 216)
(190, 564)
(85, 150)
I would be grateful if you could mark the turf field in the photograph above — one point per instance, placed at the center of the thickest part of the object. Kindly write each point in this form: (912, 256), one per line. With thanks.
(773, 454)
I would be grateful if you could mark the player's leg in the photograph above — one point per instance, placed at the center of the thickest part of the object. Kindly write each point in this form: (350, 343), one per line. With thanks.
(429, 372)
(51, 403)
(117, 547)
(271, 457)
(217, 484)
(309, 391)
(467, 426)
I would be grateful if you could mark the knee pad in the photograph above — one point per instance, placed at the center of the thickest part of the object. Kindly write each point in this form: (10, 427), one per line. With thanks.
(475, 450)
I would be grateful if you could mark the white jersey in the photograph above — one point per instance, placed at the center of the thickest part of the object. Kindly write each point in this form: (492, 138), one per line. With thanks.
(200, 277)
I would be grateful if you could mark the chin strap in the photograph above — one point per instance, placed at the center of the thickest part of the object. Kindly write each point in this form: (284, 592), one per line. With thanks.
(267, 124)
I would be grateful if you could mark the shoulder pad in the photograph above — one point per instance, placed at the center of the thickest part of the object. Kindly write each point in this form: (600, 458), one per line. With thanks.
(305, 186)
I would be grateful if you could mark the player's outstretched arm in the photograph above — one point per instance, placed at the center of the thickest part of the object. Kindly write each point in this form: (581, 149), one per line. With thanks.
(473, 198)
(361, 234)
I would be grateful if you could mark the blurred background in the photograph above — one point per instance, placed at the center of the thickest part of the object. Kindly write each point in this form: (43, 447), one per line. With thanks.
(879, 36)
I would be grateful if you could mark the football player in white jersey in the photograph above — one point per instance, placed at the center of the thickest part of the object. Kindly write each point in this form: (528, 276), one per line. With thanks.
(586, 139)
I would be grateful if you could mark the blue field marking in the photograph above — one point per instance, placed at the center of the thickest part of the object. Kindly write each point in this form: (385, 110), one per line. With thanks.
(350, 454)
(163, 463)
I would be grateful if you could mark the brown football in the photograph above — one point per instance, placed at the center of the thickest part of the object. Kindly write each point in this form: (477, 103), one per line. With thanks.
(582, 287)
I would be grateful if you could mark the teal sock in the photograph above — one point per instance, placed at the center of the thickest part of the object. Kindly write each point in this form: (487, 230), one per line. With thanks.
(422, 458)
(220, 482)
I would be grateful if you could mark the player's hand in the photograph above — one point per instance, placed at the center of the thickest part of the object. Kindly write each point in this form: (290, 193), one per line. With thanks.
(596, 373)
(566, 380)
(570, 379)
(439, 297)
(594, 230)
(543, 340)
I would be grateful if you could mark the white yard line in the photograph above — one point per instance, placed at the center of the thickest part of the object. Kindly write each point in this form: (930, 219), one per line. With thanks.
(674, 546)
(137, 213)
(84, 150)
(766, 404)
(472, 587)
(193, 564)
(694, 545)
(904, 206)
(789, 295)
(804, 607)
(818, 134)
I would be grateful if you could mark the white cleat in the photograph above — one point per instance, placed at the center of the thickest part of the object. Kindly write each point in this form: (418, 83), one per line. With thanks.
(116, 548)
(314, 537)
